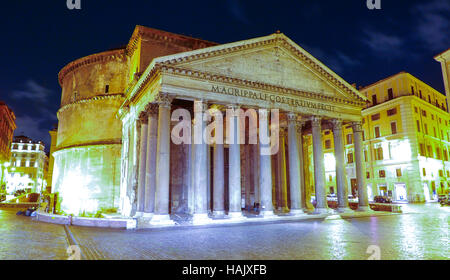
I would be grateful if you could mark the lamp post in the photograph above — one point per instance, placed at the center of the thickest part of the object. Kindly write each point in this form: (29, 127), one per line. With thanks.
(4, 167)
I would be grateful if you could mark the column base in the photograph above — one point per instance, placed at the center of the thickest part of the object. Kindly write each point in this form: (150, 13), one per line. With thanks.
(267, 214)
(344, 210)
(236, 216)
(139, 214)
(201, 219)
(218, 213)
(161, 220)
(320, 211)
(364, 209)
(296, 212)
(147, 215)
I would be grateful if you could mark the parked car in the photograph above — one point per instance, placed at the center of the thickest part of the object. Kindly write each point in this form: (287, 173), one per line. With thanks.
(442, 197)
(382, 199)
(2, 197)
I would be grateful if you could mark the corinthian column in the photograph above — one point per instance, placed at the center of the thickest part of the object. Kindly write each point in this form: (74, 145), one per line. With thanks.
(161, 215)
(200, 166)
(319, 168)
(218, 184)
(234, 180)
(142, 163)
(150, 178)
(360, 168)
(341, 178)
(265, 181)
(294, 167)
(301, 163)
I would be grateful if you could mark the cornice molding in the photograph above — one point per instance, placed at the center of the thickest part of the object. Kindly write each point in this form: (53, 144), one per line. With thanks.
(90, 59)
(189, 43)
(89, 100)
(257, 85)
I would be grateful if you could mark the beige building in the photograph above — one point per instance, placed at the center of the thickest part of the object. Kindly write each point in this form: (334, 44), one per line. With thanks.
(28, 166)
(407, 139)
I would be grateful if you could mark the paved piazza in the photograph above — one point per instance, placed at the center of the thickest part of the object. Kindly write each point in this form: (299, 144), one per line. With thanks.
(422, 232)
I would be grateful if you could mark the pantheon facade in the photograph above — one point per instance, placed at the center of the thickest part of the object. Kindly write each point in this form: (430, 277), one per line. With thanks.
(117, 120)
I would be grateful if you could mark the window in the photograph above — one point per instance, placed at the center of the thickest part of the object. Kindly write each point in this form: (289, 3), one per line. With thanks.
(445, 155)
(398, 171)
(75, 96)
(430, 151)
(416, 109)
(382, 174)
(422, 150)
(432, 117)
(392, 112)
(365, 156)
(424, 113)
(368, 175)
(434, 131)
(374, 99)
(420, 94)
(390, 94)
(418, 125)
(424, 172)
(425, 126)
(379, 153)
(394, 127)
(377, 131)
(412, 89)
(438, 153)
(376, 117)
(106, 88)
(349, 157)
(349, 139)
(441, 173)
(429, 99)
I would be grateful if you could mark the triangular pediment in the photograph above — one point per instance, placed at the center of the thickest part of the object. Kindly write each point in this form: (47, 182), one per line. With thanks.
(273, 60)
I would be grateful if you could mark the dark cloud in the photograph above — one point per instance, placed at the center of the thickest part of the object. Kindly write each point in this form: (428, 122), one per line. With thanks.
(33, 105)
(382, 43)
(433, 26)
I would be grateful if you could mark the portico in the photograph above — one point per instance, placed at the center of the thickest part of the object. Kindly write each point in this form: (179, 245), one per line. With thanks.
(282, 91)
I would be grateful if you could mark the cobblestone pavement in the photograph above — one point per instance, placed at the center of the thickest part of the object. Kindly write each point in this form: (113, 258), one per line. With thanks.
(21, 238)
(421, 233)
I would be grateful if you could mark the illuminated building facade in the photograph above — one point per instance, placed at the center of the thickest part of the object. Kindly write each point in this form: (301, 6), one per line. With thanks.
(7, 127)
(28, 165)
(407, 139)
(115, 145)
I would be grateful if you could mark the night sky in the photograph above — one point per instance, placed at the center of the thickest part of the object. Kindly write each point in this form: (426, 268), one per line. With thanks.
(38, 38)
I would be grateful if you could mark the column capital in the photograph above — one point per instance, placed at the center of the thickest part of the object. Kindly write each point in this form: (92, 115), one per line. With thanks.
(164, 100)
(337, 124)
(316, 121)
(357, 126)
(143, 118)
(292, 117)
(151, 108)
